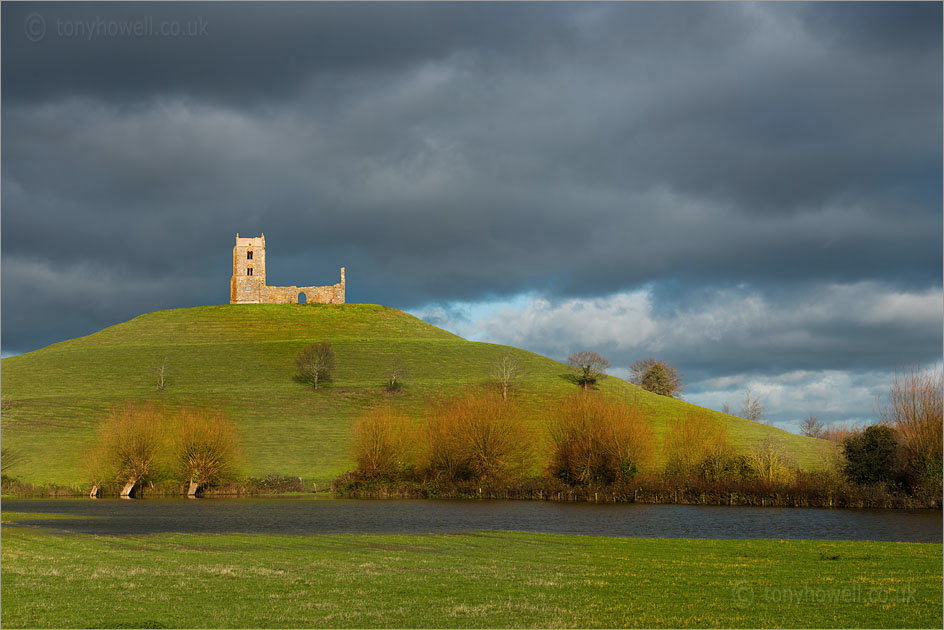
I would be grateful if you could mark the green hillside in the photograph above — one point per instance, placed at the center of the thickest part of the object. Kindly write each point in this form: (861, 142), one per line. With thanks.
(241, 358)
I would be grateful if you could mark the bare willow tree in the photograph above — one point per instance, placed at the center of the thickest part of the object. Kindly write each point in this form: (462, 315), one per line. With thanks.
(506, 373)
(130, 442)
(205, 447)
(812, 427)
(597, 439)
(914, 407)
(591, 368)
(477, 437)
(657, 376)
(161, 372)
(771, 461)
(695, 444)
(383, 443)
(753, 409)
(315, 362)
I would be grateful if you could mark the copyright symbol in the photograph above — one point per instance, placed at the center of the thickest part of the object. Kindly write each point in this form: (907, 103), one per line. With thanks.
(743, 593)
(35, 27)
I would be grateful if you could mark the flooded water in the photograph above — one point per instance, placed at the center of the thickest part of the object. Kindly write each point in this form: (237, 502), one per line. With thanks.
(303, 515)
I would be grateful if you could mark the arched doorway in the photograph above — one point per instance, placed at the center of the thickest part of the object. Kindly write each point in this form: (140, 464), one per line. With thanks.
(302, 298)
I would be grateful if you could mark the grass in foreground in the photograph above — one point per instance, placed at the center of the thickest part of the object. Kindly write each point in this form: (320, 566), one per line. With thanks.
(486, 579)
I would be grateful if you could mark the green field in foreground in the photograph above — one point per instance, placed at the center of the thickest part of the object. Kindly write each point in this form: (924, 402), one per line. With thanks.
(240, 358)
(485, 579)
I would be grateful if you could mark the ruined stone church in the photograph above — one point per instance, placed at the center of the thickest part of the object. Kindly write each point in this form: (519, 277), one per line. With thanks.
(248, 284)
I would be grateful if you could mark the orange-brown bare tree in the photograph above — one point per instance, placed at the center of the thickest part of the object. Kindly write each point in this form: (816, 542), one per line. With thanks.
(383, 444)
(205, 447)
(771, 462)
(477, 436)
(597, 439)
(695, 445)
(130, 441)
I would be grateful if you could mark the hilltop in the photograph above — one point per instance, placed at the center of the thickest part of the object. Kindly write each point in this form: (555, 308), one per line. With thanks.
(240, 358)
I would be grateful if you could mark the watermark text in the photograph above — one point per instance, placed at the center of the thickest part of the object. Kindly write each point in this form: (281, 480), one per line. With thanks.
(37, 29)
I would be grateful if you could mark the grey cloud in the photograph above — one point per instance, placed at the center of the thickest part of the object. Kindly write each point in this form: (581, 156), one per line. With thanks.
(463, 152)
(854, 327)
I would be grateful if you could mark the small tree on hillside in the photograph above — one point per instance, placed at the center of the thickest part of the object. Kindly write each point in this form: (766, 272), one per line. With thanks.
(812, 427)
(591, 368)
(315, 362)
(753, 409)
(161, 372)
(505, 373)
(656, 376)
(395, 376)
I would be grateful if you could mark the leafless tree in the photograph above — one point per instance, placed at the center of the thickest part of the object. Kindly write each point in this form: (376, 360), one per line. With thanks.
(395, 376)
(598, 439)
(772, 462)
(315, 362)
(161, 372)
(695, 444)
(591, 367)
(384, 443)
(130, 441)
(726, 409)
(477, 436)
(506, 372)
(914, 407)
(657, 376)
(812, 427)
(753, 409)
(205, 447)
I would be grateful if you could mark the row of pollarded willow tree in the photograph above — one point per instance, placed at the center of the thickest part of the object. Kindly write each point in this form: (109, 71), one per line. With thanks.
(589, 439)
(137, 444)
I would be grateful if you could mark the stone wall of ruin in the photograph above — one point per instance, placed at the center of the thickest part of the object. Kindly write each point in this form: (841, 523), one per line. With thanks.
(252, 289)
(332, 294)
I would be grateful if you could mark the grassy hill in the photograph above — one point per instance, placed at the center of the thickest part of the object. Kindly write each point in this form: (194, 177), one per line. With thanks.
(240, 358)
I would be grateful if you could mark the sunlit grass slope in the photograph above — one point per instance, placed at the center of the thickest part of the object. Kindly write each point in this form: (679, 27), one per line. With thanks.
(240, 358)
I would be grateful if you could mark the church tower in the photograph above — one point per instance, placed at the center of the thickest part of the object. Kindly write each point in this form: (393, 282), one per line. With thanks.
(249, 275)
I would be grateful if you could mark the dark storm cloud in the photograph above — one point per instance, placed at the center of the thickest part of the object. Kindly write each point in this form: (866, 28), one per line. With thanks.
(250, 52)
(463, 151)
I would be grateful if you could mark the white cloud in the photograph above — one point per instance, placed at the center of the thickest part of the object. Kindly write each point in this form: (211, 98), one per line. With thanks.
(784, 349)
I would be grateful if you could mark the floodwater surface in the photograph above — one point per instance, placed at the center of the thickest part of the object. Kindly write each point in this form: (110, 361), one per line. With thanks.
(302, 515)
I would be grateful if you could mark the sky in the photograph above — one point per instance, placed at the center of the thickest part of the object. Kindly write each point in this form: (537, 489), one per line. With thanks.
(752, 192)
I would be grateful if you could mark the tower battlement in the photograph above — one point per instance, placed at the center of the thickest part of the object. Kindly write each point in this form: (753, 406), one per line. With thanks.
(248, 284)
